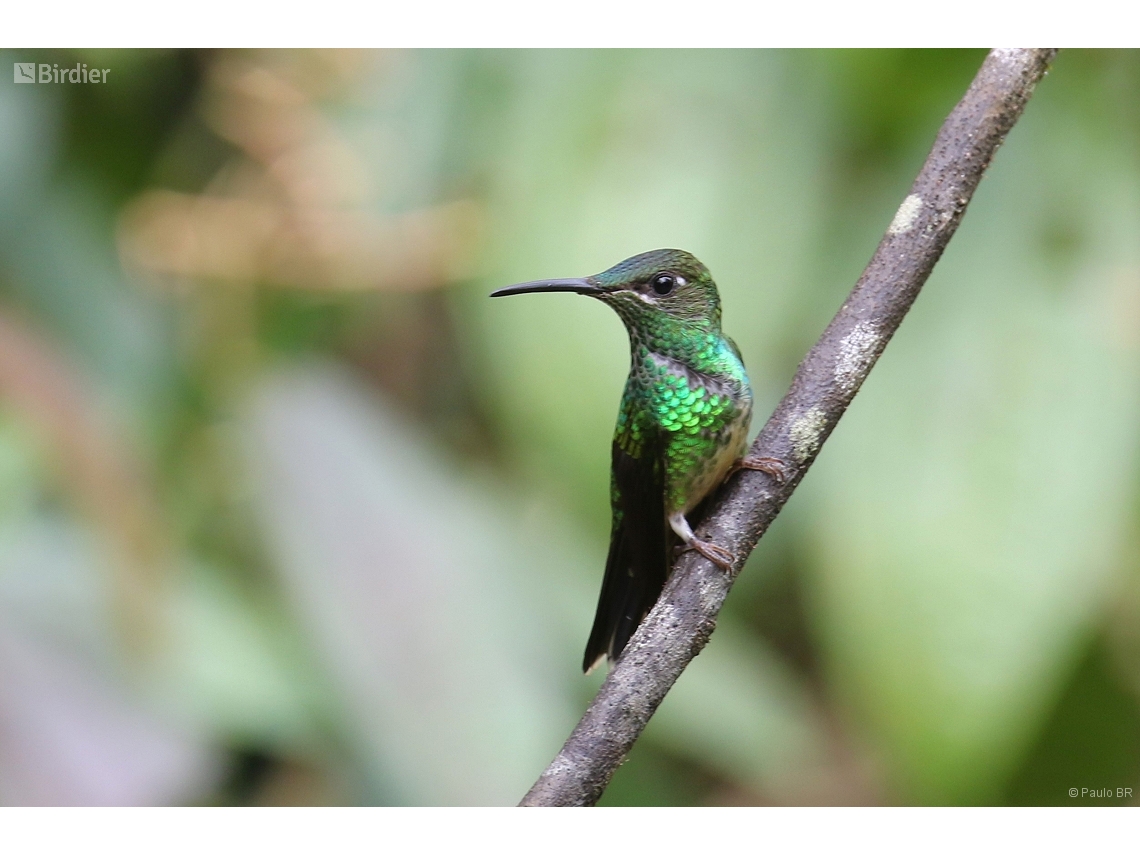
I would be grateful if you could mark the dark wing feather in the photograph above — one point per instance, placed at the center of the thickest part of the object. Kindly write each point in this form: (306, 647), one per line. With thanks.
(638, 561)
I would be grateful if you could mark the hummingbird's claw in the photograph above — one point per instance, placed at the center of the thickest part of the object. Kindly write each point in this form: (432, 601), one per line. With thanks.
(768, 465)
(719, 556)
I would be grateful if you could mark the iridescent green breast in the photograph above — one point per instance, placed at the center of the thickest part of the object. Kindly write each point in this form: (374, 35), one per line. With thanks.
(693, 422)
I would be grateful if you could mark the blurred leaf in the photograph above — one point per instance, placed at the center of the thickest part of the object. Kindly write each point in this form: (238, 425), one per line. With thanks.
(399, 574)
(234, 671)
(73, 730)
(69, 736)
(1092, 741)
(59, 262)
(29, 123)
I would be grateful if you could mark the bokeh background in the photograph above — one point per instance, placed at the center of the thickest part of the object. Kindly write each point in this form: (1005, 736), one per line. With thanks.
(291, 513)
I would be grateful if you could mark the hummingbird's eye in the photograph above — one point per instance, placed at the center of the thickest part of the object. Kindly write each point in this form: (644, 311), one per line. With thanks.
(664, 283)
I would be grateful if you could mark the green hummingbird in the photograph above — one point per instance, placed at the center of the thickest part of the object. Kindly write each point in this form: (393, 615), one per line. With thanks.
(681, 430)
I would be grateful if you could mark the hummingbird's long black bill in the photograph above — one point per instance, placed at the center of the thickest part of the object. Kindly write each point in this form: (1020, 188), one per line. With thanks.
(577, 286)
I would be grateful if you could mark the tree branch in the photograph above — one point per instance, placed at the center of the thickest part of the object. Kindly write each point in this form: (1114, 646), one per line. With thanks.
(680, 624)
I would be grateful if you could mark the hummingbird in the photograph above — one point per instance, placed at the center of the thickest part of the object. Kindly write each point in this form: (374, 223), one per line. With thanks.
(682, 428)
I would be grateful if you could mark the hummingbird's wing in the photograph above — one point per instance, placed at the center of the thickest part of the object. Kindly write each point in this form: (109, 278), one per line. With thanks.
(638, 561)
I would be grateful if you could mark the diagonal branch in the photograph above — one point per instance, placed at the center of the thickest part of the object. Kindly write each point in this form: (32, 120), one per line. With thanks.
(680, 624)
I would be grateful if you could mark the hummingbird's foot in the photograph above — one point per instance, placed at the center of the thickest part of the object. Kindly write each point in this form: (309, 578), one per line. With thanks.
(768, 465)
(719, 556)
(722, 558)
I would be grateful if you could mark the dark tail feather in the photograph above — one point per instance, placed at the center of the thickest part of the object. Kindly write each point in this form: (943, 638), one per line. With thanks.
(638, 561)
(631, 586)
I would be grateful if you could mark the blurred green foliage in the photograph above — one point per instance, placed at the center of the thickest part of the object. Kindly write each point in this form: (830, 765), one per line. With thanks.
(291, 513)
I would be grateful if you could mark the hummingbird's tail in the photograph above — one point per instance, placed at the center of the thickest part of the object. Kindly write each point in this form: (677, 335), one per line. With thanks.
(638, 561)
(626, 598)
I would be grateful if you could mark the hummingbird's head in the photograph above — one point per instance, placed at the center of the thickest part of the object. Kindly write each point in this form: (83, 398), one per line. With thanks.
(663, 285)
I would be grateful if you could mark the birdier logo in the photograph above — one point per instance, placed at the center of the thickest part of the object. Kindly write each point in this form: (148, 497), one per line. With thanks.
(29, 72)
